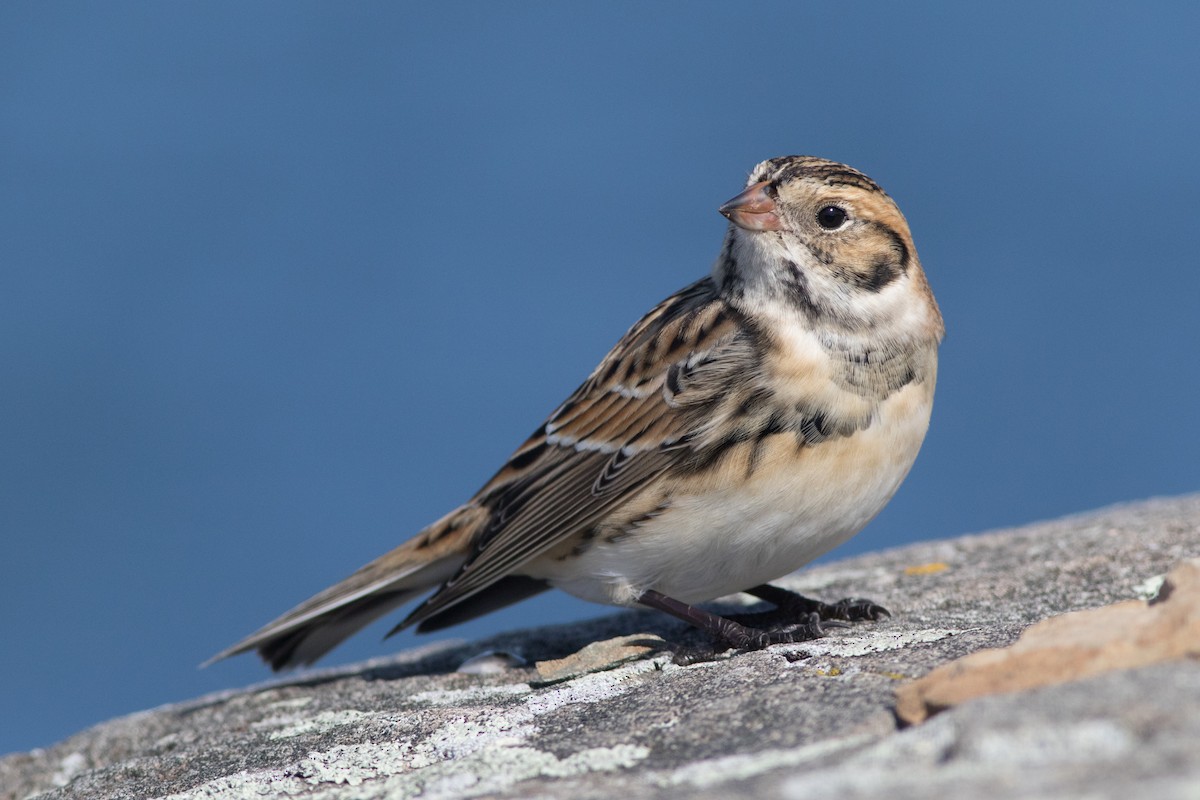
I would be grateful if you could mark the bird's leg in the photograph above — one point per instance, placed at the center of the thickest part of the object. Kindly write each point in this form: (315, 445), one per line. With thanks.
(805, 619)
(733, 634)
(797, 606)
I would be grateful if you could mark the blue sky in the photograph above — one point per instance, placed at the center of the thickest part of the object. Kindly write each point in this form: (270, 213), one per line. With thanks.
(284, 282)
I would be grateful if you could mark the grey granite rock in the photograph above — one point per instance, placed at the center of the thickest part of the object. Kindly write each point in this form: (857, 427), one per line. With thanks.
(804, 721)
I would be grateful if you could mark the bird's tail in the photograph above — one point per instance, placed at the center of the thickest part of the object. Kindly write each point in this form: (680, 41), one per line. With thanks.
(314, 627)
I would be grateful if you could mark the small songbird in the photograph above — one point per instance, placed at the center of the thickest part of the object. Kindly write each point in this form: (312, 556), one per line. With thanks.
(747, 424)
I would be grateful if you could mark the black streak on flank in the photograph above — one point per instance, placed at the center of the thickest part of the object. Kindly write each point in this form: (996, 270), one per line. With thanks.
(755, 456)
(815, 429)
(774, 425)
(709, 456)
(585, 544)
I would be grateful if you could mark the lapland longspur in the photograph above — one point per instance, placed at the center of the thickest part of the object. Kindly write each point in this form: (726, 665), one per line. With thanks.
(747, 424)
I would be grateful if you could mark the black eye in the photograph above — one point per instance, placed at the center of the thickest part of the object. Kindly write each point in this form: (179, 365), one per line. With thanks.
(831, 217)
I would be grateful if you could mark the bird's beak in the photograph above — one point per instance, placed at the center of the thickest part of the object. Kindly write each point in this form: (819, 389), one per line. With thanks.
(753, 209)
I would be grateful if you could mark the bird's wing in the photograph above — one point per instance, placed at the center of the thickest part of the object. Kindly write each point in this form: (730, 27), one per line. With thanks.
(645, 408)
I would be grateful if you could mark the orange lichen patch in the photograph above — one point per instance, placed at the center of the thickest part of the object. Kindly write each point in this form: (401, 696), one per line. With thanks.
(927, 569)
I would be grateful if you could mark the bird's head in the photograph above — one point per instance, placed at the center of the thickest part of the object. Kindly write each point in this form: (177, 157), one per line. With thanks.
(827, 238)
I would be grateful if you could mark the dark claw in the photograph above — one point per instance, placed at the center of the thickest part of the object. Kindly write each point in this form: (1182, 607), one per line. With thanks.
(856, 609)
(796, 606)
(686, 656)
(743, 638)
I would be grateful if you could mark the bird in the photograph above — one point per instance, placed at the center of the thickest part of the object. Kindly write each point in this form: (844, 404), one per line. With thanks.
(747, 424)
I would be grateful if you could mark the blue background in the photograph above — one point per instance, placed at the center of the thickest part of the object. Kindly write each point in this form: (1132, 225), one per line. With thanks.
(282, 283)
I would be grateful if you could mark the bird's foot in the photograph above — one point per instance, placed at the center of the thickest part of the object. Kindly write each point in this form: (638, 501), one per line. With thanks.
(796, 606)
(730, 634)
(802, 619)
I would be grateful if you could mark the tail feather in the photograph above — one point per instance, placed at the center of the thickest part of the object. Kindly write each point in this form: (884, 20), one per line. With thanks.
(317, 625)
(502, 593)
(302, 645)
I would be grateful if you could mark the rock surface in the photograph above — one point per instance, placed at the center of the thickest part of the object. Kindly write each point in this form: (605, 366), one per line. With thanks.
(1069, 647)
(805, 721)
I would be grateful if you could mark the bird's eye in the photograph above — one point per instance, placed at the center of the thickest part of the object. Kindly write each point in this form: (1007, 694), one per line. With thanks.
(831, 217)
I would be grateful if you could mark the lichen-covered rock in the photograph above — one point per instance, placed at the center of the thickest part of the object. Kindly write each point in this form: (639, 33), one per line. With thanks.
(809, 721)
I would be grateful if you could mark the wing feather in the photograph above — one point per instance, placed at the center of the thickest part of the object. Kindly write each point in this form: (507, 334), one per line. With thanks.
(611, 439)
